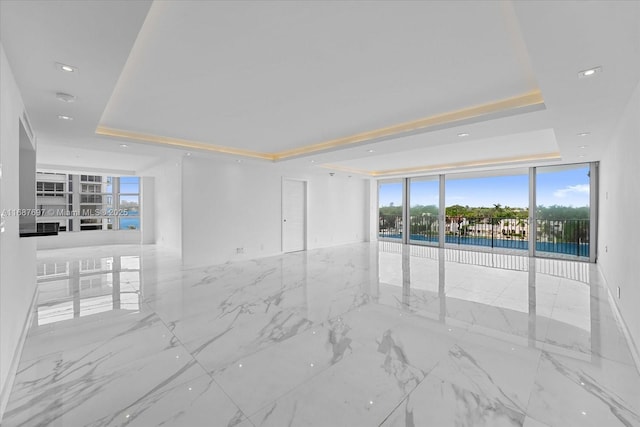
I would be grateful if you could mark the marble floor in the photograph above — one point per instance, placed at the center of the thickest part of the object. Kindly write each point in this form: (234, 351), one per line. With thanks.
(357, 335)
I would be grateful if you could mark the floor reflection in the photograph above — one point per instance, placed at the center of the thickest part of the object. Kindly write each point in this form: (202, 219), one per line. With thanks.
(88, 286)
(546, 301)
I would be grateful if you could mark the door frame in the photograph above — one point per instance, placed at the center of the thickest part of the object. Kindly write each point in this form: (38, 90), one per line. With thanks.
(306, 211)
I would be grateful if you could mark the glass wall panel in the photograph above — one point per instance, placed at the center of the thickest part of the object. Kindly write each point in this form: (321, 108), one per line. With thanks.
(390, 209)
(424, 197)
(129, 185)
(129, 212)
(490, 211)
(562, 211)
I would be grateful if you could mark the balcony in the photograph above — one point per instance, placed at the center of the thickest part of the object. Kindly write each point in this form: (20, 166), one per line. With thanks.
(556, 236)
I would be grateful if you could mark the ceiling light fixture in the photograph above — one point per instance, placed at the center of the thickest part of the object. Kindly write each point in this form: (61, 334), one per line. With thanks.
(583, 146)
(369, 151)
(66, 68)
(188, 154)
(463, 134)
(65, 97)
(590, 72)
(124, 146)
(584, 134)
(63, 117)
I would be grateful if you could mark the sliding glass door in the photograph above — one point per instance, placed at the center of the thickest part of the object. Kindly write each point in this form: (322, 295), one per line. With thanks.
(390, 213)
(563, 210)
(486, 210)
(424, 200)
(547, 211)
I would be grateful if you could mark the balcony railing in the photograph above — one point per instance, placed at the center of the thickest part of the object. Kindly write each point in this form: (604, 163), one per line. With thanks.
(390, 227)
(424, 229)
(509, 233)
(567, 236)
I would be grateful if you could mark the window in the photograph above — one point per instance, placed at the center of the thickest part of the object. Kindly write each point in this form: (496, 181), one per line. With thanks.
(424, 198)
(495, 209)
(490, 211)
(129, 203)
(390, 199)
(89, 202)
(562, 211)
(50, 189)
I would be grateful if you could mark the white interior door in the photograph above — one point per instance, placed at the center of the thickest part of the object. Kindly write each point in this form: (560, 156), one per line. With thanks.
(294, 215)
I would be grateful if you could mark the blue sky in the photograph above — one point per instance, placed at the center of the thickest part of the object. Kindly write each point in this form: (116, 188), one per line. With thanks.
(568, 187)
(129, 184)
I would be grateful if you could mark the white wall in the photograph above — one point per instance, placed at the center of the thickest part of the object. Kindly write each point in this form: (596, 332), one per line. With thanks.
(230, 205)
(618, 254)
(166, 203)
(147, 204)
(17, 255)
(374, 212)
(338, 210)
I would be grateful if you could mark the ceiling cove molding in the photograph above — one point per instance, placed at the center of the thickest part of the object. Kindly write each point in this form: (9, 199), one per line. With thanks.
(181, 143)
(488, 111)
(448, 166)
(449, 119)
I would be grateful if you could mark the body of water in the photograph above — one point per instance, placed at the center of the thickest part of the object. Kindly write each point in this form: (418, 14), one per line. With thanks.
(132, 222)
(568, 248)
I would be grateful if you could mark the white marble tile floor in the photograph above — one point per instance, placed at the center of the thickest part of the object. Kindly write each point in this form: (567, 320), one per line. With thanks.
(371, 334)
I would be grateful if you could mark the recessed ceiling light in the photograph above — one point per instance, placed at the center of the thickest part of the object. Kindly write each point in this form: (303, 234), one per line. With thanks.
(590, 72)
(123, 146)
(583, 146)
(65, 97)
(463, 134)
(584, 134)
(66, 68)
(369, 151)
(313, 161)
(63, 117)
(188, 154)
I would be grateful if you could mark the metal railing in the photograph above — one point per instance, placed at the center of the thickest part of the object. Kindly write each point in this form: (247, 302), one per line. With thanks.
(509, 233)
(390, 227)
(424, 229)
(567, 236)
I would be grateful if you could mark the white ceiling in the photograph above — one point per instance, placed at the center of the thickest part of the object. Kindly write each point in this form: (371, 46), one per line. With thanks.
(273, 76)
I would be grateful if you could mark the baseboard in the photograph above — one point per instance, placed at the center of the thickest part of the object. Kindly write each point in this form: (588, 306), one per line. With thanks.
(633, 348)
(13, 369)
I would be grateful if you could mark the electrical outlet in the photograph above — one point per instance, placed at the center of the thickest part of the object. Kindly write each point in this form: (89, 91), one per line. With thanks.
(606, 248)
